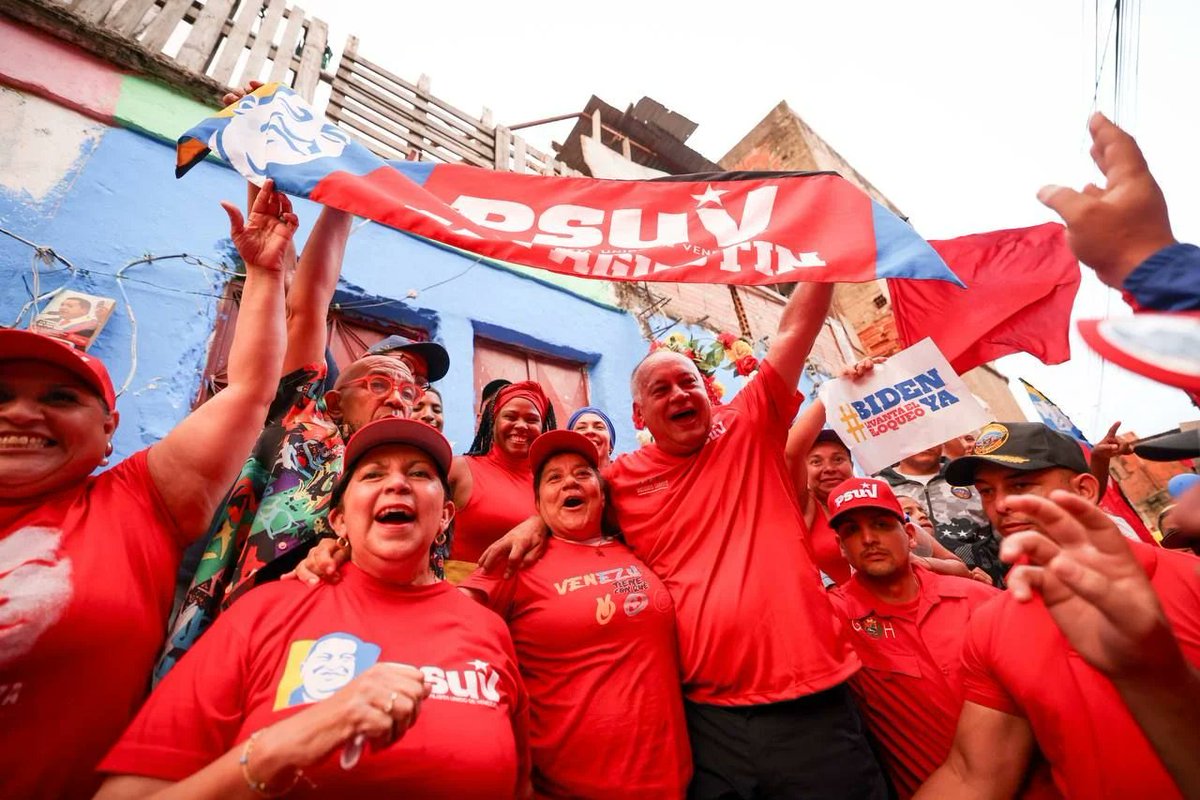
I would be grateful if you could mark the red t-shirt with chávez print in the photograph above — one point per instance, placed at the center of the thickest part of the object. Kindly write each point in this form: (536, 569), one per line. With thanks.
(594, 631)
(724, 531)
(87, 577)
(285, 645)
(1017, 661)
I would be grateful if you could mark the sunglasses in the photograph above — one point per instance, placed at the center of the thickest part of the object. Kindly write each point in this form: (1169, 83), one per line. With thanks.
(383, 386)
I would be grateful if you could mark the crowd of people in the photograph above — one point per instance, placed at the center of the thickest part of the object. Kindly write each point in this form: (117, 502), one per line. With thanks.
(726, 612)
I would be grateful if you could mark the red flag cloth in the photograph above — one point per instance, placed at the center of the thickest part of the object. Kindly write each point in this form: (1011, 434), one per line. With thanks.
(1021, 284)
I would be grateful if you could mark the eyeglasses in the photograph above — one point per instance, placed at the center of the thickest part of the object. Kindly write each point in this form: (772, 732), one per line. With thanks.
(383, 386)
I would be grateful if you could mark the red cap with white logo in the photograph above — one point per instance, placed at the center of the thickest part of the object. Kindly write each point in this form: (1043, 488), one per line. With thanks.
(862, 493)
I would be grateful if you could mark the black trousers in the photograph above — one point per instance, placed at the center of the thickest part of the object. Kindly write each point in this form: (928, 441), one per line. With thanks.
(813, 747)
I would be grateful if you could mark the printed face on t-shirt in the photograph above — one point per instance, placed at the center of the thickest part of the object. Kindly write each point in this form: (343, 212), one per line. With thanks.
(518, 423)
(53, 429)
(828, 465)
(317, 669)
(996, 483)
(393, 508)
(874, 541)
(672, 403)
(569, 497)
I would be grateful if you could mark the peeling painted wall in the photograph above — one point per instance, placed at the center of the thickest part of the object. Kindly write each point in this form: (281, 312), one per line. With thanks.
(102, 197)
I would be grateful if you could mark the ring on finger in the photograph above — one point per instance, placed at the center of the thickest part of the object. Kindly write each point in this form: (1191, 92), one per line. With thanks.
(391, 703)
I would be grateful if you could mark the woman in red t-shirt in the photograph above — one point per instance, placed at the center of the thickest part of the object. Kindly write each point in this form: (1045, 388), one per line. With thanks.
(88, 561)
(492, 485)
(594, 630)
(321, 688)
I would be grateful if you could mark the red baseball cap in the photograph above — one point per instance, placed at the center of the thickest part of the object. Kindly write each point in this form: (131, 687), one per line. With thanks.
(393, 430)
(862, 493)
(551, 443)
(21, 345)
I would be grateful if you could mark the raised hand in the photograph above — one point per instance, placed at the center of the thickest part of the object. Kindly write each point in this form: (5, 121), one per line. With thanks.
(861, 369)
(229, 98)
(1113, 229)
(265, 240)
(1092, 585)
(1110, 446)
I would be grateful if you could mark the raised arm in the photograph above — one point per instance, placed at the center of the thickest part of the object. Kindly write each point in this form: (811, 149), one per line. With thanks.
(312, 289)
(1104, 452)
(800, 440)
(988, 758)
(316, 276)
(195, 464)
(799, 325)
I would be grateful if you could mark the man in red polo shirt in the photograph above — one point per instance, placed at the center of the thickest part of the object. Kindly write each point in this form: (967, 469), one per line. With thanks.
(1024, 679)
(907, 624)
(709, 506)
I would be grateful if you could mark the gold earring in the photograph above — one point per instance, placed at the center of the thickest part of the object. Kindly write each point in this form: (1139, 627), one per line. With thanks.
(107, 452)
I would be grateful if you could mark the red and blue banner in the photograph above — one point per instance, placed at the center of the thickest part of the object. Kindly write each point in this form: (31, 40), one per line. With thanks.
(734, 228)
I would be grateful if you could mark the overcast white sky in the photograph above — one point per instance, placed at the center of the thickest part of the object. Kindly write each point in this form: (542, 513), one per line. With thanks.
(957, 110)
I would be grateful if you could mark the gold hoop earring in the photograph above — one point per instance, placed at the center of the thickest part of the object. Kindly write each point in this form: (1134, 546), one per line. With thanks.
(440, 539)
(343, 543)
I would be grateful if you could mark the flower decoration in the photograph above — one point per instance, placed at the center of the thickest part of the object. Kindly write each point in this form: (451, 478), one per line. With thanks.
(727, 349)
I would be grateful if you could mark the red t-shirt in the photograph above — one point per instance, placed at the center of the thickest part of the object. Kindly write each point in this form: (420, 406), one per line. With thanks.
(269, 657)
(827, 550)
(594, 630)
(910, 687)
(501, 497)
(1017, 661)
(87, 577)
(722, 528)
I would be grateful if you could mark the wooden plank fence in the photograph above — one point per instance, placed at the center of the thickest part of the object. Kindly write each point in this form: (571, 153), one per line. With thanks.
(209, 46)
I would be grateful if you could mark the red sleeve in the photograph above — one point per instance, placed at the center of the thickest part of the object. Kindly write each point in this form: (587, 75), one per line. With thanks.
(980, 684)
(498, 591)
(194, 715)
(131, 478)
(769, 400)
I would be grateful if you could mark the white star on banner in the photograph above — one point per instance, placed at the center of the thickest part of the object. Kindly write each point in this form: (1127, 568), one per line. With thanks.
(710, 195)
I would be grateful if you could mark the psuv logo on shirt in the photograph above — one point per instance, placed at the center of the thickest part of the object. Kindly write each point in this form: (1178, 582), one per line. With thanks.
(477, 684)
(317, 668)
(868, 491)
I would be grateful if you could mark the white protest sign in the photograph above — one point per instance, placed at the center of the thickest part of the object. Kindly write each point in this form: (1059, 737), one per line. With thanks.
(909, 403)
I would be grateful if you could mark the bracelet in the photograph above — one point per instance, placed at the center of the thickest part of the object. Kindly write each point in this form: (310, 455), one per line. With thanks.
(262, 787)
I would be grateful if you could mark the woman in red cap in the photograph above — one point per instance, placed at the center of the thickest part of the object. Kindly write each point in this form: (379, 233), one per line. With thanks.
(385, 682)
(493, 484)
(88, 561)
(594, 631)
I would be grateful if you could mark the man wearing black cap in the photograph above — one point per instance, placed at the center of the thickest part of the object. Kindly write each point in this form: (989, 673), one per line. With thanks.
(1023, 682)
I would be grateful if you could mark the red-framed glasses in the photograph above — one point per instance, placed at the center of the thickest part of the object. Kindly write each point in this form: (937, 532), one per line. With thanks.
(381, 385)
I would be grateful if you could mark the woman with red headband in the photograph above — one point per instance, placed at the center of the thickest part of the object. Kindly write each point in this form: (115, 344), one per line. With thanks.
(493, 484)
(88, 561)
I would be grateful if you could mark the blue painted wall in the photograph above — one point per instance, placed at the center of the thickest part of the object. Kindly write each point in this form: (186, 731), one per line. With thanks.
(121, 202)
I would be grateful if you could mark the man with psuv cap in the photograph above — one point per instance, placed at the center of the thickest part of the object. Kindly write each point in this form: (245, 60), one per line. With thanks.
(1023, 681)
(907, 624)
